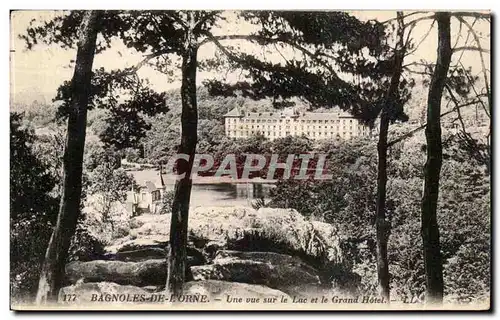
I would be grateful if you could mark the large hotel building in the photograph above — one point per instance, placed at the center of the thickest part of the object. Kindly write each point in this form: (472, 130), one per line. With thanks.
(278, 124)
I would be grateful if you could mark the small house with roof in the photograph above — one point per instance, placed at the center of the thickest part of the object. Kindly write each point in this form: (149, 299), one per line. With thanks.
(147, 196)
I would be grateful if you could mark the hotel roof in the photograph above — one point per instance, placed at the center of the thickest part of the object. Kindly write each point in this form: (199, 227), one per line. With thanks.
(278, 114)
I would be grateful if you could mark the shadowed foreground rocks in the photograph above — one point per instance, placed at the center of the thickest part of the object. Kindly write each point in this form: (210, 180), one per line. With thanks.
(237, 251)
(216, 291)
(278, 271)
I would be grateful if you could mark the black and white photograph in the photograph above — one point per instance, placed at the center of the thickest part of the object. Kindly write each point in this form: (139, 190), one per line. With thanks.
(250, 160)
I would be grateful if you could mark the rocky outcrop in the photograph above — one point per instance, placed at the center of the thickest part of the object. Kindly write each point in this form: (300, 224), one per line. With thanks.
(137, 255)
(279, 271)
(147, 249)
(143, 273)
(244, 229)
(136, 267)
(159, 242)
(232, 251)
(268, 229)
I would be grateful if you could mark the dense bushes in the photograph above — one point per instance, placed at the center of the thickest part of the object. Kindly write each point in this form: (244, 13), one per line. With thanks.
(33, 209)
(348, 200)
(85, 246)
(34, 199)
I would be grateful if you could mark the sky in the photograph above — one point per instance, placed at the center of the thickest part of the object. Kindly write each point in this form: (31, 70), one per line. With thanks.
(36, 74)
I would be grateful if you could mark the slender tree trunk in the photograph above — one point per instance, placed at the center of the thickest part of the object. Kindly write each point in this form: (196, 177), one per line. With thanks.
(430, 230)
(390, 108)
(52, 274)
(382, 225)
(182, 193)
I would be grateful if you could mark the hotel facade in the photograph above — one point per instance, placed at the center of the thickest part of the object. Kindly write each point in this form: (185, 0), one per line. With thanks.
(279, 124)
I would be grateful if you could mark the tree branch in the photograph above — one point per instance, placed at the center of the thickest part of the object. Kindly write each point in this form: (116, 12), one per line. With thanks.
(202, 20)
(431, 17)
(471, 48)
(410, 133)
(421, 39)
(147, 58)
(477, 15)
(217, 39)
(405, 16)
(477, 93)
(483, 65)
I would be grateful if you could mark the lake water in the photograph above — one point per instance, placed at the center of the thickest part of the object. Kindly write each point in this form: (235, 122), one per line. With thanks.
(205, 193)
(228, 194)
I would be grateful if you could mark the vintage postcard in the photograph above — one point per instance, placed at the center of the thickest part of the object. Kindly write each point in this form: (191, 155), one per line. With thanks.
(250, 160)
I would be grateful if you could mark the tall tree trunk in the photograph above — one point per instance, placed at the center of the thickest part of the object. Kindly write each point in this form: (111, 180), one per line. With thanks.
(52, 273)
(430, 230)
(390, 108)
(182, 193)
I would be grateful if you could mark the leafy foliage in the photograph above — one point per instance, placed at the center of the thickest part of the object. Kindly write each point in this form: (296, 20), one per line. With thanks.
(166, 202)
(108, 186)
(29, 180)
(127, 100)
(32, 208)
